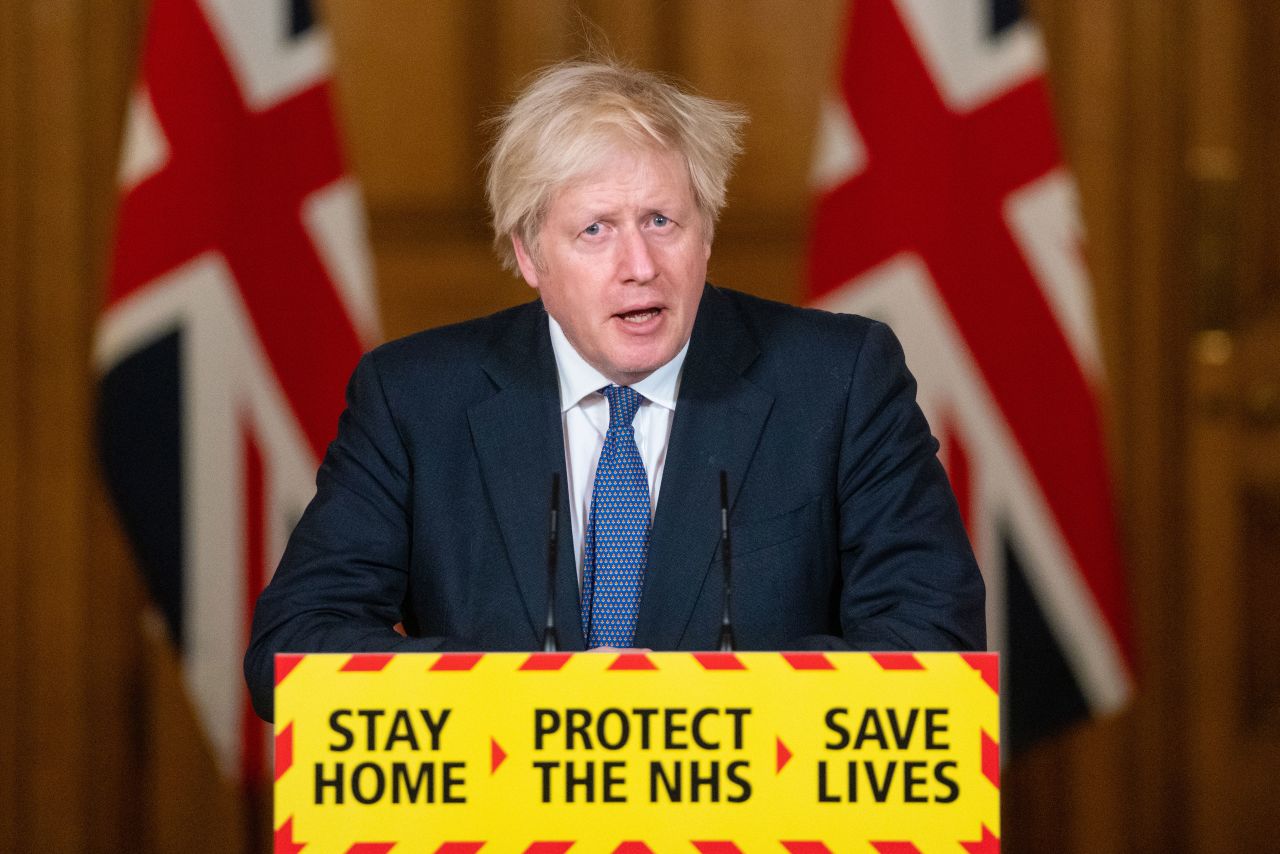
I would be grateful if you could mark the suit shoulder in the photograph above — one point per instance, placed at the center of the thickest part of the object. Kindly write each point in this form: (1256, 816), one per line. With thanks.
(455, 346)
(804, 329)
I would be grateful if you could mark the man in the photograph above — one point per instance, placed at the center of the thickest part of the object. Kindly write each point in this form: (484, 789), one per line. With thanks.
(638, 383)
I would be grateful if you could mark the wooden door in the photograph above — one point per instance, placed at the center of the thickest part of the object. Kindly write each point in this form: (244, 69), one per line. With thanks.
(1233, 495)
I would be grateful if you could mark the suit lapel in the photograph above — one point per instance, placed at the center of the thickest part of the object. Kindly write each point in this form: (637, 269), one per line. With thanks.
(718, 421)
(519, 442)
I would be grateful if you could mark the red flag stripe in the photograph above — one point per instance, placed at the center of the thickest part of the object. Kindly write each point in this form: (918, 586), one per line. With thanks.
(252, 730)
(956, 459)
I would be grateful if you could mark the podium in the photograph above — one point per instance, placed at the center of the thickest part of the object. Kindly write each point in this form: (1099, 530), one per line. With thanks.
(631, 752)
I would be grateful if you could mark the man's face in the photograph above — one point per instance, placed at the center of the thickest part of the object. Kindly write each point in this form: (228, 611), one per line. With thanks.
(623, 254)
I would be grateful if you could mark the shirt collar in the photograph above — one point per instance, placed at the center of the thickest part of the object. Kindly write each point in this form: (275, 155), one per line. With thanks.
(579, 379)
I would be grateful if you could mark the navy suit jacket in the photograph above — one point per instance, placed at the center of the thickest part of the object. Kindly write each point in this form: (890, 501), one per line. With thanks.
(431, 504)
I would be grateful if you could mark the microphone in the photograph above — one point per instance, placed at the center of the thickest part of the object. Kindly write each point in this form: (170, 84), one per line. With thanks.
(726, 625)
(550, 640)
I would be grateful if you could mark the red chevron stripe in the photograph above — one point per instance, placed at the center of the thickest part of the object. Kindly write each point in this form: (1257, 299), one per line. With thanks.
(283, 841)
(719, 661)
(284, 751)
(548, 847)
(633, 661)
(990, 759)
(988, 844)
(805, 847)
(986, 663)
(808, 661)
(546, 661)
(897, 661)
(285, 662)
(456, 661)
(367, 662)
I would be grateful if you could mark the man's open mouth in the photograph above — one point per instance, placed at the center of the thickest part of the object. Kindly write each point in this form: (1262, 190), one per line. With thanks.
(639, 315)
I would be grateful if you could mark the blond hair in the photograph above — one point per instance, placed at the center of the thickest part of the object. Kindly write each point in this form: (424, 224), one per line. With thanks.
(573, 115)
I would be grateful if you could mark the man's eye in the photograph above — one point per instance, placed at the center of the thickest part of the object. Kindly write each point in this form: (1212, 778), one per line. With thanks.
(592, 230)
(661, 221)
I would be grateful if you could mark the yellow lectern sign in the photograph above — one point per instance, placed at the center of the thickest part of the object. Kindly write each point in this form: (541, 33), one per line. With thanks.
(699, 752)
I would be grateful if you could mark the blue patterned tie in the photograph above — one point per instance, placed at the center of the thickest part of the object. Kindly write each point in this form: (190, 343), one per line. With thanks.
(616, 550)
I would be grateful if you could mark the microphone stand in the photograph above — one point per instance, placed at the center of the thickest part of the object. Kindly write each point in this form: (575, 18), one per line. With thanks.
(726, 625)
(550, 639)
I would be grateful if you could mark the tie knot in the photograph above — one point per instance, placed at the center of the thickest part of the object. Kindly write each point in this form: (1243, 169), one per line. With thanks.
(623, 403)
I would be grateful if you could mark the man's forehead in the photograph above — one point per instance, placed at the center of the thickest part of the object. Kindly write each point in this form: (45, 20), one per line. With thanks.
(661, 179)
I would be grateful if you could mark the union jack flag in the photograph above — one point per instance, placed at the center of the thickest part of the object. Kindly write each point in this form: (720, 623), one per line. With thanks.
(945, 209)
(240, 299)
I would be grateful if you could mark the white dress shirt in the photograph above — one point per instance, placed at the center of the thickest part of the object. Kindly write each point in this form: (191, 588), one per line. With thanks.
(584, 415)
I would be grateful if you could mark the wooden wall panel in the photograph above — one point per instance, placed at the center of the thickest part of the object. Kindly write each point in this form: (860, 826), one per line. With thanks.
(54, 484)
(408, 121)
(112, 812)
(528, 34)
(776, 59)
(1087, 58)
(449, 285)
(1155, 390)
(640, 33)
(13, 132)
(1259, 280)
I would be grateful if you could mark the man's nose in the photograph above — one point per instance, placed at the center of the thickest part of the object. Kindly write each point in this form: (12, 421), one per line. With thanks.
(637, 258)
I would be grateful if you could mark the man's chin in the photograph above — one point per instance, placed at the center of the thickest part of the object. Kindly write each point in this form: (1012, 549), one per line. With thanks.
(631, 371)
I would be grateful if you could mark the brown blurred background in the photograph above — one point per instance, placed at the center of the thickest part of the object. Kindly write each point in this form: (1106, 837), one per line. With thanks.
(1170, 116)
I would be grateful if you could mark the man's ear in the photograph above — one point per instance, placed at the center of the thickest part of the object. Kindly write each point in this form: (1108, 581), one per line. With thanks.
(528, 269)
